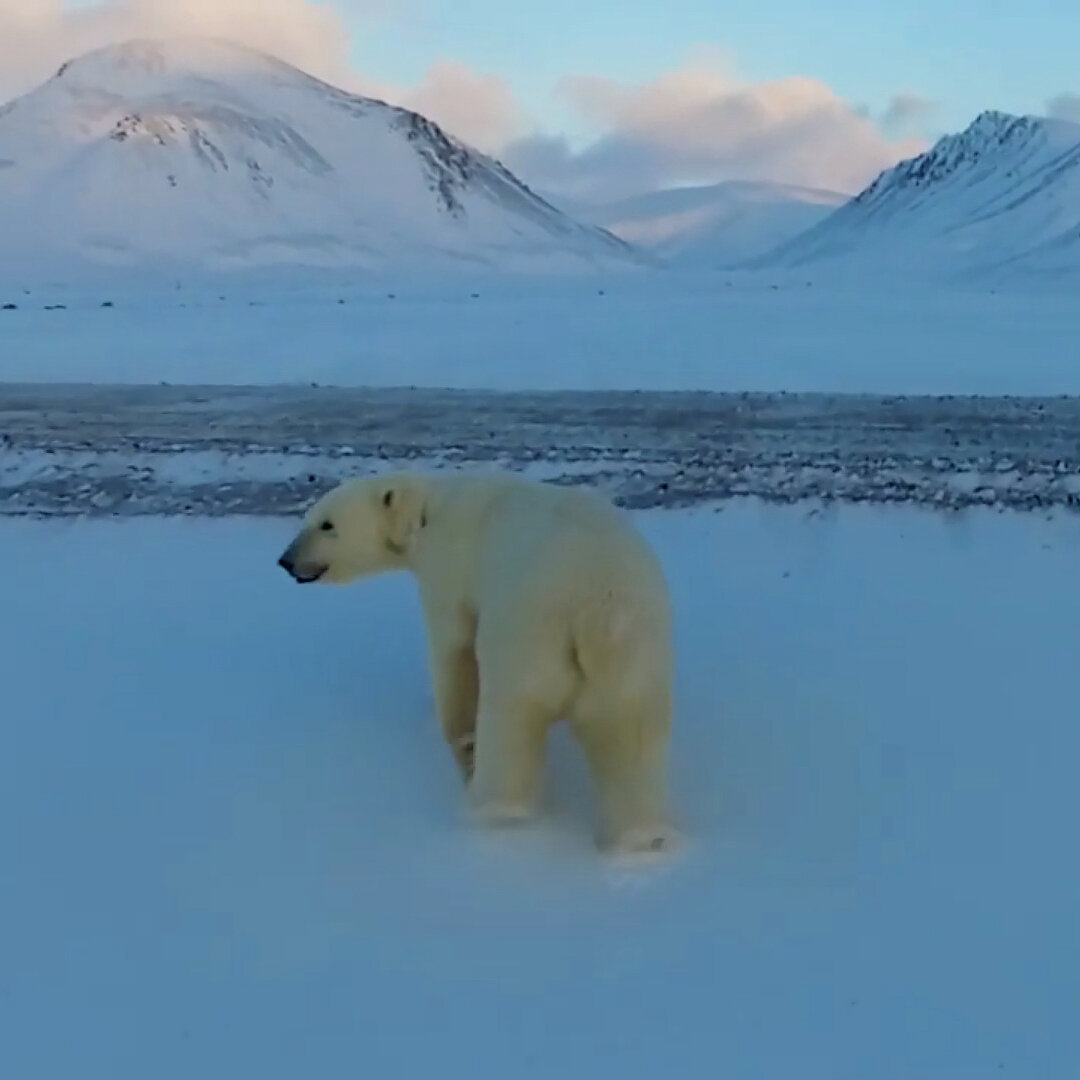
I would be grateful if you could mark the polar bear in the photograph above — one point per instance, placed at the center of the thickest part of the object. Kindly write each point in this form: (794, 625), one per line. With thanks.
(541, 603)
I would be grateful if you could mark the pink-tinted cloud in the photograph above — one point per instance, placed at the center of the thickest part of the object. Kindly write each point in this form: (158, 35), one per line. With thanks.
(697, 124)
(701, 124)
(480, 109)
(37, 36)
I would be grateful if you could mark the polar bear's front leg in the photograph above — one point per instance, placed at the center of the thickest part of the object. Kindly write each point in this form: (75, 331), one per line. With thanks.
(456, 694)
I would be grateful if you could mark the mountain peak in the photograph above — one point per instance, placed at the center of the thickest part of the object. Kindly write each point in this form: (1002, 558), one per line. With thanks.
(139, 60)
(992, 119)
(991, 134)
(213, 154)
(1002, 192)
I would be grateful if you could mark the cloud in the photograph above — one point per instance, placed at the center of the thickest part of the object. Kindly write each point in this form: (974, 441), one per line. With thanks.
(907, 111)
(37, 36)
(480, 109)
(1065, 107)
(701, 124)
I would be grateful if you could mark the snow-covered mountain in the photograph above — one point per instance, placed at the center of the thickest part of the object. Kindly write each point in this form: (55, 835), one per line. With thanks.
(206, 154)
(714, 226)
(1001, 196)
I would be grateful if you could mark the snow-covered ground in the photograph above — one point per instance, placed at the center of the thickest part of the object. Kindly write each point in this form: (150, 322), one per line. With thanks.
(654, 330)
(233, 843)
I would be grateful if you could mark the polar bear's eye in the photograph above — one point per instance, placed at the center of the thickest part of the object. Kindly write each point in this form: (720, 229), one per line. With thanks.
(327, 526)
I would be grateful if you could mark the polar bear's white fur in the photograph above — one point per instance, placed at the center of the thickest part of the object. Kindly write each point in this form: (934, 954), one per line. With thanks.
(541, 602)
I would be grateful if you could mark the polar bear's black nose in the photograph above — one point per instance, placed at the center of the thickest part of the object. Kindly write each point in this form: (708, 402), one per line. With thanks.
(286, 563)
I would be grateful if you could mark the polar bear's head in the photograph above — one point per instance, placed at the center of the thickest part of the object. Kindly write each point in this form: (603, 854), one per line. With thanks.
(360, 528)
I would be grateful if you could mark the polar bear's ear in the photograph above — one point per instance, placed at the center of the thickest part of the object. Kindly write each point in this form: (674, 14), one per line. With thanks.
(403, 508)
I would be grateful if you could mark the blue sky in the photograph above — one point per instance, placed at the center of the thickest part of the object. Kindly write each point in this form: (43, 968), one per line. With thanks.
(965, 54)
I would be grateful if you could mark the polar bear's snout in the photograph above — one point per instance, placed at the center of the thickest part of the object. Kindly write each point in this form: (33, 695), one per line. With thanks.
(300, 568)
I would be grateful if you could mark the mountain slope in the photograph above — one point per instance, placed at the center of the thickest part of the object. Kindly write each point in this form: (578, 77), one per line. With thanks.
(715, 226)
(208, 154)
(1003, 194)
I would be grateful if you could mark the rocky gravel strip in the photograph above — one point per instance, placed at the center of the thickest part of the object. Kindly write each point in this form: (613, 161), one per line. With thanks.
(216, 451)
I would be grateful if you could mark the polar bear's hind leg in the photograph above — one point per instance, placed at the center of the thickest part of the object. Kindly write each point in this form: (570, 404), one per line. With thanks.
(526, 685)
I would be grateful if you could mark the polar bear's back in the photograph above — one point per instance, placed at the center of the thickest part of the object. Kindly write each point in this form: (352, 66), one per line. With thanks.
(574, 534)
(574, 561)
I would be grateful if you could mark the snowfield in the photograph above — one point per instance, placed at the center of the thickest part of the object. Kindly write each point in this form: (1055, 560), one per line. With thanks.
(233, 842)
(660, 331)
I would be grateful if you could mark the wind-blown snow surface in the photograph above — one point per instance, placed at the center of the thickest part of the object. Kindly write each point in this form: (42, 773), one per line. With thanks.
(999, 200)
(233, 844)
(667, 332)
(200, 153)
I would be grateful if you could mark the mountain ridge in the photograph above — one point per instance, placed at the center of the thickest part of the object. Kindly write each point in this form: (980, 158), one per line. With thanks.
(275, 164)
(712, 225)
(996, 195)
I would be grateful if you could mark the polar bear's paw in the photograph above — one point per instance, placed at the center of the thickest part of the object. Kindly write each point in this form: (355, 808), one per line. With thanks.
(501, 813)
